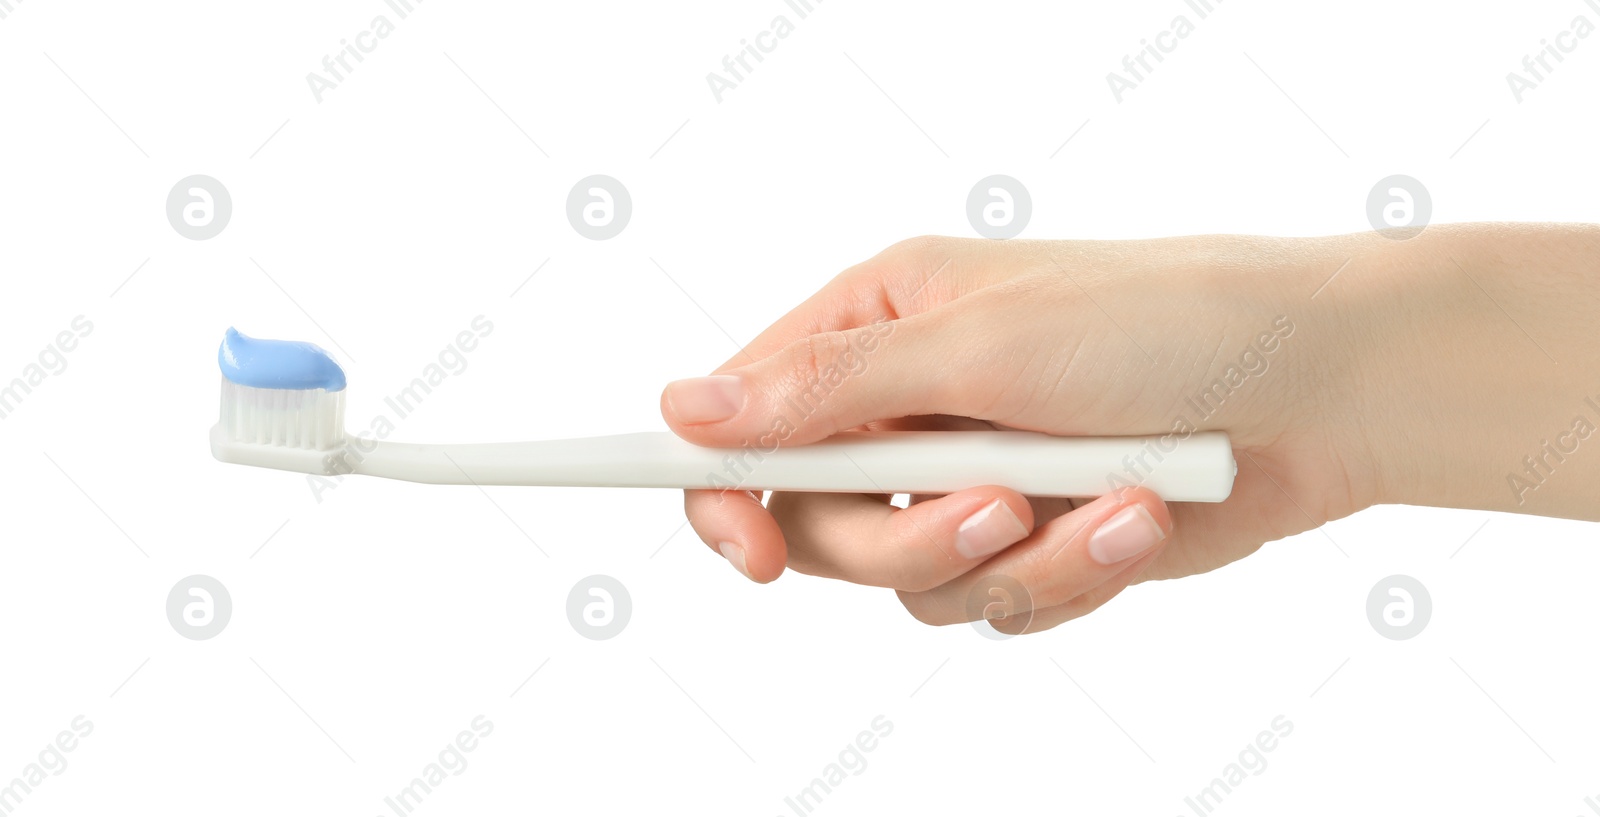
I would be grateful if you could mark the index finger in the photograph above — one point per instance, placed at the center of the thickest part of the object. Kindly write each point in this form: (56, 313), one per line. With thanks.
(906, 279)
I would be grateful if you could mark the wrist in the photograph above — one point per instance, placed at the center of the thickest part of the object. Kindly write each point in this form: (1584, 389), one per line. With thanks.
(1474, 374)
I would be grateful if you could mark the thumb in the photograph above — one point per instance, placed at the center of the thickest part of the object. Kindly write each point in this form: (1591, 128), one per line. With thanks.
(826, 383)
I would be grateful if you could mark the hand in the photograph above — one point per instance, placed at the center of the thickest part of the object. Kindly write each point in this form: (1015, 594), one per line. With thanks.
(1076, 338)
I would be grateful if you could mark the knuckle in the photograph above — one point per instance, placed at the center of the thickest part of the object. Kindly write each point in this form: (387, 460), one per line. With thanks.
(917, 605)
(918, 581)
(1026, 623)
(918, 555)
(1015, 625)
(817, 370)
(917, 246)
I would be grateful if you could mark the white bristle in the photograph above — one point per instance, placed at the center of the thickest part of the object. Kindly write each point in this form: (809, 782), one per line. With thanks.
(291, 418)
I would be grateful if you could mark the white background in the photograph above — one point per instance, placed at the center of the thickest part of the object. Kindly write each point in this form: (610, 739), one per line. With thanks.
(376, 624)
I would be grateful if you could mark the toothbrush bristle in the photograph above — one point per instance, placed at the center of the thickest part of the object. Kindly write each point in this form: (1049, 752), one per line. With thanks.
(293, 418)
(280, 393)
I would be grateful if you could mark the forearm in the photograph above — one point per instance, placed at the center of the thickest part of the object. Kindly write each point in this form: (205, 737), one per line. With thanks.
(1479, 373)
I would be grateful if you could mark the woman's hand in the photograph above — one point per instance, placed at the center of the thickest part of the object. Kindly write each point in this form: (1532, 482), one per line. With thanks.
(1267, 339)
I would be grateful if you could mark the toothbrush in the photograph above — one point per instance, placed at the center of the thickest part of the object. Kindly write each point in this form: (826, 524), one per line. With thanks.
(283, 408)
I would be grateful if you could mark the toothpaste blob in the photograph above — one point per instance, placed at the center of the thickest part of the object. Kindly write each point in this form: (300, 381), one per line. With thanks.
(277, 364)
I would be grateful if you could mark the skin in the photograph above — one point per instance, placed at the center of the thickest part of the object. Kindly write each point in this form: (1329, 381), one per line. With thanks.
(1418, 370)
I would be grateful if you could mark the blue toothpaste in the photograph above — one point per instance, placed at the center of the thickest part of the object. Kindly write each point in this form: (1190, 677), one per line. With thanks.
(277, 364)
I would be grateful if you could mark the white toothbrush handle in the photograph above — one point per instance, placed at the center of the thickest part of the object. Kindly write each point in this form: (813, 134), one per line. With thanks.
(1199, 468)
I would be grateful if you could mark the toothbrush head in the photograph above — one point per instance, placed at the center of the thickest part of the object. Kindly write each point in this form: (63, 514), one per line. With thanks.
(282, 404)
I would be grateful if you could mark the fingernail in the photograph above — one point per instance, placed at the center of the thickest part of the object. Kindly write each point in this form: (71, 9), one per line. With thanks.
(735, 556)
(706, 399)
(1127, 534)
(993, 527)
